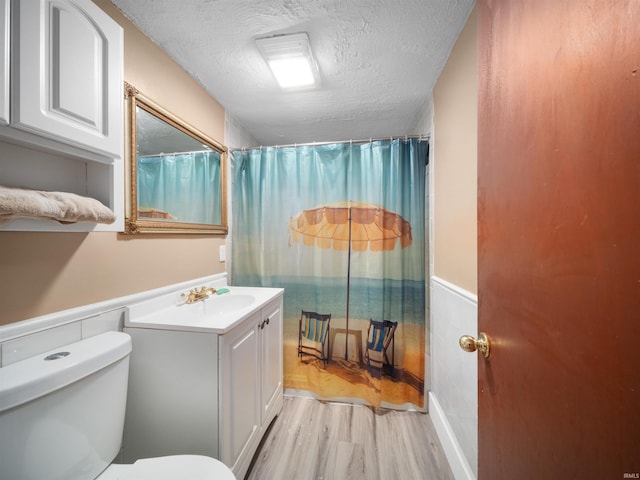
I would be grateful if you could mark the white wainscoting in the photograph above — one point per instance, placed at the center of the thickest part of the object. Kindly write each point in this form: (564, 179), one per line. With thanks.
(34, 336)
(453, 399)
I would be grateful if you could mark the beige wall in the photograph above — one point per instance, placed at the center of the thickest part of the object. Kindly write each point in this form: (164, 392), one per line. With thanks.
(455, 99)
(42, 273)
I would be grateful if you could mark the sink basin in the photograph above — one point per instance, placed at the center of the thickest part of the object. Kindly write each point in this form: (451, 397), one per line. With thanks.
(215, 314)
(215, 307)
(223, 304)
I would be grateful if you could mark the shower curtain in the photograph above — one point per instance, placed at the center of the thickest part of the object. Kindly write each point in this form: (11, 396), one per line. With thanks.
(181, 186)
(279, 195)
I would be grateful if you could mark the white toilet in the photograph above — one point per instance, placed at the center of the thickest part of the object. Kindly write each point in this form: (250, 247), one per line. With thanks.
(62, 416)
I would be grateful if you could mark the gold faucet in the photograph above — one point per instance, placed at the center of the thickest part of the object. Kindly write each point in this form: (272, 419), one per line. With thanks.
(196, 295)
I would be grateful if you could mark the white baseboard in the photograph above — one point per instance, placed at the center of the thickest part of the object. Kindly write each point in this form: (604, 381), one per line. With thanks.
(457, 461)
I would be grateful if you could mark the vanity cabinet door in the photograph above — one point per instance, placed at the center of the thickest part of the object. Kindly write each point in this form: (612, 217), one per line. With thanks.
(271, 361)
(4, 62)
(239, 390)
(67, 73)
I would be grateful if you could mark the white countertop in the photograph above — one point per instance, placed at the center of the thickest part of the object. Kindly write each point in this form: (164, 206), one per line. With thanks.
(216, 314)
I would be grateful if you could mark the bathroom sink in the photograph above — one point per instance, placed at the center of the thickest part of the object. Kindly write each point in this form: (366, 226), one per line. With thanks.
(215, 314)
(215, 307)
(223, 304)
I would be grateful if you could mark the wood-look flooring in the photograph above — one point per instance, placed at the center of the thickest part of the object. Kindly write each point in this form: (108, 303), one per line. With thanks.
(314, 440)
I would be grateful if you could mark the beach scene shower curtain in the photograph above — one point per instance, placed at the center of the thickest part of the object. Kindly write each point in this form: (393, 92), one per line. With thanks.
(341, 227)
(180, 186)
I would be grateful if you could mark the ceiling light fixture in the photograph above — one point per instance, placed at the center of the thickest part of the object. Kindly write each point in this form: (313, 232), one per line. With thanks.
(290, 59)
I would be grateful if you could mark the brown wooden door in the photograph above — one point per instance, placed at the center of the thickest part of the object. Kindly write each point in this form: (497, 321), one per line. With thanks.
(559, 239)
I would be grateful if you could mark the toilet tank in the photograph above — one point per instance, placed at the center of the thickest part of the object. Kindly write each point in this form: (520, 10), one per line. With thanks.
(62, 412)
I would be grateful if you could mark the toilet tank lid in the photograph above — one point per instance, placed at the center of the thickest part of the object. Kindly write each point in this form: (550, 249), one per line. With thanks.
(36, 376)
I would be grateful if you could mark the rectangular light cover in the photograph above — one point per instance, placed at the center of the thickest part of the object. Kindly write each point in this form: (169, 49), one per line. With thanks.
(290, 60)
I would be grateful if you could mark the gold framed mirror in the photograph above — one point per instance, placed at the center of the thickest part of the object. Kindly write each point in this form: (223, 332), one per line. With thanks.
(176, 175)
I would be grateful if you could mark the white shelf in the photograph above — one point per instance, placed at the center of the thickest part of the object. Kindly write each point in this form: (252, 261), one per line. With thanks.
(28, 168)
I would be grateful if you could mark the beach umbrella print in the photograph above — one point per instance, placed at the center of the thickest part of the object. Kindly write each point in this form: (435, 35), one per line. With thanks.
(350, 226)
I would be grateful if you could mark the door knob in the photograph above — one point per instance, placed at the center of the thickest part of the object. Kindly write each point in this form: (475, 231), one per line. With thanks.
(482, 344)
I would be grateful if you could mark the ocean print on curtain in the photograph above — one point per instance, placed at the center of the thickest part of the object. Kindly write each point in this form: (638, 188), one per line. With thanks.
(342, 228)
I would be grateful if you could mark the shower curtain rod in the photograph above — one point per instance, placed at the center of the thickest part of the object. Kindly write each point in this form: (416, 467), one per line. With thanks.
(352, 142)
(176, 153)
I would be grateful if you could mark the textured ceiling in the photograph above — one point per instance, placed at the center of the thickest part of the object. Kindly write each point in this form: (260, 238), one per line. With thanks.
(378, 60)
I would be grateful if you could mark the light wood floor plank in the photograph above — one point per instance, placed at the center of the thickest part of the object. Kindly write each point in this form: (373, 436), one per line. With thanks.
(314, 440)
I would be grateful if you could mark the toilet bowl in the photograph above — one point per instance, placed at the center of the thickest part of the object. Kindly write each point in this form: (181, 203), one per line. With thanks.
(62, 417)
(183, 467)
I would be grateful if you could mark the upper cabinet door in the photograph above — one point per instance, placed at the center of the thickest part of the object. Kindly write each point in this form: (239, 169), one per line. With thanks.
(4, 62)
(67, 74)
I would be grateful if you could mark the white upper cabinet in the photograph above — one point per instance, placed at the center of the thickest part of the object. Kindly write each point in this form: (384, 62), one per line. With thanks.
(62, 106)
(4, 62)
(67, 75)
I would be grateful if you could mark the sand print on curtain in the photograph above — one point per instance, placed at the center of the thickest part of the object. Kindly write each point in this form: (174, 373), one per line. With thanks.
(342, 228)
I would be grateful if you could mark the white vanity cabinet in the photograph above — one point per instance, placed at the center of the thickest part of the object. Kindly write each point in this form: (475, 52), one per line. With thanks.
(240, 393)
(251, 384)
(66, 78)
(271, 361)
(172, 401)
(205, 386)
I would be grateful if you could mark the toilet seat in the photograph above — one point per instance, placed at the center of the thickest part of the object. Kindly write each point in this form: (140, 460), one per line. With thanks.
(183, 467)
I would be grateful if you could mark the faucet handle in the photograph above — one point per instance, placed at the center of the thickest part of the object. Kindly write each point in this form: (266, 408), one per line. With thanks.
(193, 295)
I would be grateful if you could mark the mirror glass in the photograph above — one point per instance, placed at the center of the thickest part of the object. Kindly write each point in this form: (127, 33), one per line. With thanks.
(177, 174)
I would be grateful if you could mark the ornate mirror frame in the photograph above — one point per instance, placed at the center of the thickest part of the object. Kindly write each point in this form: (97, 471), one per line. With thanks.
(135, 221)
